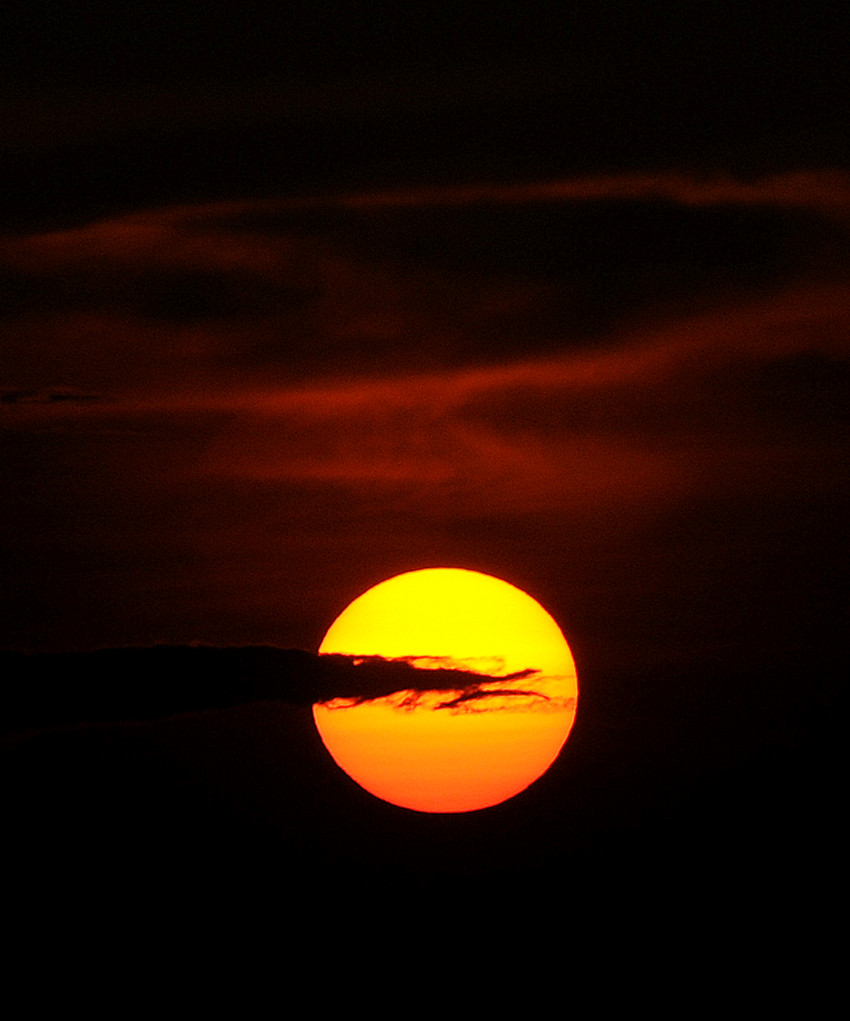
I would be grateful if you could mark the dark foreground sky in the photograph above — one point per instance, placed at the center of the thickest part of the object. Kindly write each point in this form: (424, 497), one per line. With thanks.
(290, 307)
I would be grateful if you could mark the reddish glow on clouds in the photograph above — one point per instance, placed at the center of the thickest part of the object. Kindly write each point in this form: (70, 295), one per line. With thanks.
(277, 375)
(817, 189)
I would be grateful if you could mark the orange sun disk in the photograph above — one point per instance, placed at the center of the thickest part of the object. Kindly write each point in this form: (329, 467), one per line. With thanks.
(452, 751)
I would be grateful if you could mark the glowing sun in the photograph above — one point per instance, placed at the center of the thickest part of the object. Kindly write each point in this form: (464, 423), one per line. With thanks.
(459, 749)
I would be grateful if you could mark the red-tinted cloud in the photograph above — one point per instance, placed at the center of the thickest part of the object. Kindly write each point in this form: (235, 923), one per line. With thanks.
(193, 392)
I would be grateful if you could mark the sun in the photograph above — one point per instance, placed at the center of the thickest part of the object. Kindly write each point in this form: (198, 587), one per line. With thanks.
(462, 749)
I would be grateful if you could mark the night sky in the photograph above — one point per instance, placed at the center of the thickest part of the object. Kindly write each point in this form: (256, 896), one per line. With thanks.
(290, 305)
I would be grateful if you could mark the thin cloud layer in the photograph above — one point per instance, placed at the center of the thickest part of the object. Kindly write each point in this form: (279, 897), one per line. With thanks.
(389, 284)
(200, 389)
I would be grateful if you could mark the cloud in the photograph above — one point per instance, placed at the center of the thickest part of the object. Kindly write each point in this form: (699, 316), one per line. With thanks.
(822, 189)
(75, 688)
(702, 400)
(473, 686)
(384, 284)
(721, 400)
(488, 698)
(364, 390)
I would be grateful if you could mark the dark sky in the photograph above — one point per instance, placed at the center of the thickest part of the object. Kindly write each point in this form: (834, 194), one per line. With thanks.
(556, 293)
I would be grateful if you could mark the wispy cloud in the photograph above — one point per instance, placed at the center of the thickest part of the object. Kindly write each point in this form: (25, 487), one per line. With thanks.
(543, 372)
(453, 690)
(318, 359)
(822, 190)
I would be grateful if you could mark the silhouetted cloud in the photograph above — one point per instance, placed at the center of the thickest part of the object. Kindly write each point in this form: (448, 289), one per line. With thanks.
(474, 699)
(470, 687)
(114, 685)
